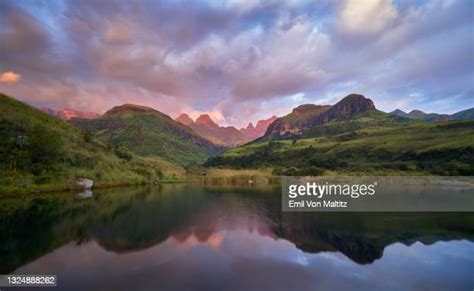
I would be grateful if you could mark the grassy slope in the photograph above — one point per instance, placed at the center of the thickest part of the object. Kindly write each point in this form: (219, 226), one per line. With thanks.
(150, 133)
(76, 155)
(465, 114)
(374, 142)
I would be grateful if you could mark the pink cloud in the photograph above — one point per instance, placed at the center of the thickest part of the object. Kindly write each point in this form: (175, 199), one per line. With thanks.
(10, 77)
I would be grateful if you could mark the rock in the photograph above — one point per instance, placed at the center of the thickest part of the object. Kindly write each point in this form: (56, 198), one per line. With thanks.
(85, 183)
(307, 116)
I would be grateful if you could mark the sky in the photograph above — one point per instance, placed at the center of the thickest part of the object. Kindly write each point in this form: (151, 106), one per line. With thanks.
(238, 60)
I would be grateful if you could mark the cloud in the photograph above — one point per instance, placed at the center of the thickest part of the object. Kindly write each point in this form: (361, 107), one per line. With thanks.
(118, 32)
(238, 60)
(10, 77)
(366, 18)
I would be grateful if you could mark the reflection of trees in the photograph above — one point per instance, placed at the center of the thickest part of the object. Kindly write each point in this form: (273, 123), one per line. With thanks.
(35, 225)
(128, 219)
(148, 221)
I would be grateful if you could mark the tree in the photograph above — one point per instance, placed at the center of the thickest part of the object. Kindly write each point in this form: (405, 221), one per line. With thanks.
(45, 148)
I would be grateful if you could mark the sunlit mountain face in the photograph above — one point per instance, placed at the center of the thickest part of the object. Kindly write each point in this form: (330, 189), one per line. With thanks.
(237, 61)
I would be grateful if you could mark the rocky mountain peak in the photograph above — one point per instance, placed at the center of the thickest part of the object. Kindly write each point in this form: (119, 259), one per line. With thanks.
(349, 106)
(130, 108)
(68, 113)
(305, 108)
(205, 119)
(184, 119)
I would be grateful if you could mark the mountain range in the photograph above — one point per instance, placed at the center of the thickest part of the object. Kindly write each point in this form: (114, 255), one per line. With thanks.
(132, 143)
(352, 136)
(148, 132)
(303, 116)
(67, 113)
(434, 117)
(227, 136)
(206, 127)
(252, 132)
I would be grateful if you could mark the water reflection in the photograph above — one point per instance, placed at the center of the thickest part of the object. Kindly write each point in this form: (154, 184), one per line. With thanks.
(183, 236)
(87, 193)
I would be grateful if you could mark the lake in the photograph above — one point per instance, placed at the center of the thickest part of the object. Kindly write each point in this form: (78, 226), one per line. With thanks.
(192, 237)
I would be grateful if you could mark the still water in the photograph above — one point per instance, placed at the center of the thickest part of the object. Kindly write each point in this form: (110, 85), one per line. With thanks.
(188, 237)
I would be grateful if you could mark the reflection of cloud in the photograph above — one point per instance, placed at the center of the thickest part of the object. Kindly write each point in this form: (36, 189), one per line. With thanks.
(214, 240)
(271, 265)
(10, 77)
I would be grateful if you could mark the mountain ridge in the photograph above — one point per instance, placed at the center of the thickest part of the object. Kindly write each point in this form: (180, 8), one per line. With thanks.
(252, 132)
(209, 129)
(68, 113)
(434, 117)
(352, 136)
(149, 132)
(308, 115)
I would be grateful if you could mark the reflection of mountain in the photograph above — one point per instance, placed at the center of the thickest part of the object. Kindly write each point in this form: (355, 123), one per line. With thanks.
(130, 219)
(363, 236)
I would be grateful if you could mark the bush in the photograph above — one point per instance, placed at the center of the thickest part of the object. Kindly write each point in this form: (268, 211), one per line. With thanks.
(327, 163)
(37, 149)
(45, 146)
(195, 170)
(123, 153)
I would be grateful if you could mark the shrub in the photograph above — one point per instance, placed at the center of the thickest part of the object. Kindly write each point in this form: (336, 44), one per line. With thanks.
(45, 146)
(123, 153)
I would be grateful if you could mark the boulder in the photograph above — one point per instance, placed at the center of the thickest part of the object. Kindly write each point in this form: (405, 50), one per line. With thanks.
(84, 183)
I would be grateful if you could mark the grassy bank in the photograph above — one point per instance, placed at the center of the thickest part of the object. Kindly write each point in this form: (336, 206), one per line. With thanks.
(40, 153)
(235, 177)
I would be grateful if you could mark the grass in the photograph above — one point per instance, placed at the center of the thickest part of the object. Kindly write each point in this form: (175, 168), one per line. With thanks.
(420, 138)
(149, 133)
(40, 153)
(373, 143)
(217, 176)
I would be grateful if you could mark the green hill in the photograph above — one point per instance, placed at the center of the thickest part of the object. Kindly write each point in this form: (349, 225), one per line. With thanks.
(148, 132)
(371, 142)
(40, 152)
(465, 114)
(435, 117)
